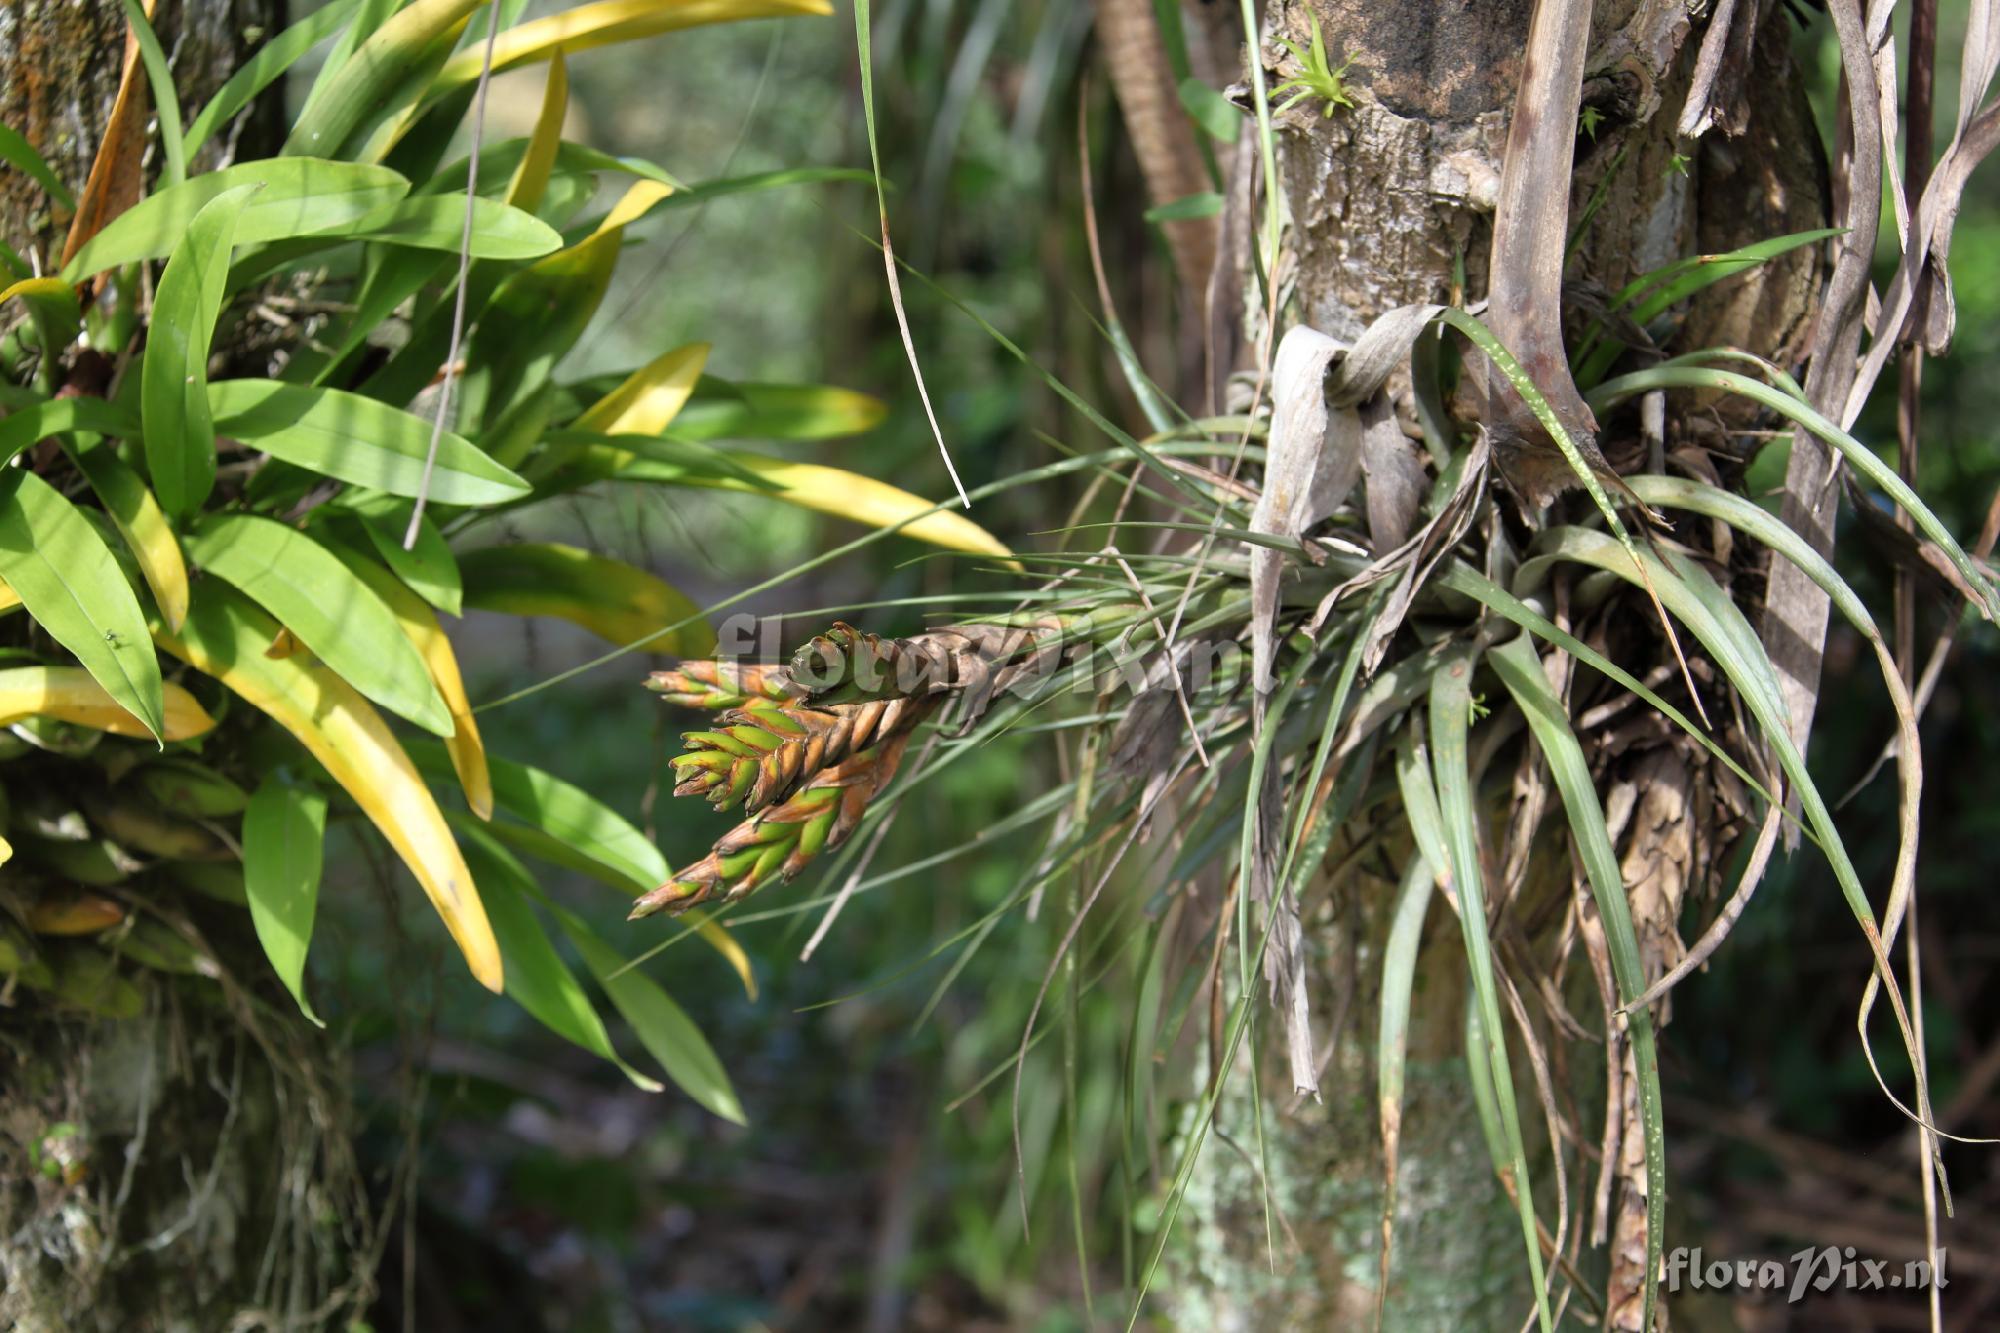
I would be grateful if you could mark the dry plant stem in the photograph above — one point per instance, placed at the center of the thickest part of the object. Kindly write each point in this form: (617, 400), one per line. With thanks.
(1725, 920)
(1162, 135)
(451, 361)
(1919, 88)
(1795, 608)
(1531, 221)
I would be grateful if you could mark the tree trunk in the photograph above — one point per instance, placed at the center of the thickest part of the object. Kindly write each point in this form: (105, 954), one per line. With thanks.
(1386, 200)
(184, 1164)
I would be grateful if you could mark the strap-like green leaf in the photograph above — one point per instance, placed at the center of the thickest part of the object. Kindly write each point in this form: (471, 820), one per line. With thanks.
(1520, 669)
(316, 597)
(173, 392)
(301, 196)
(17, 152)
(612, 600)
(357, 439)
(661, 1025)
(72, 585)
(284, 830)
(537, 977)
(262, 69)
(429, 567)
(1450, 709)
(59, 416)
(578, 831)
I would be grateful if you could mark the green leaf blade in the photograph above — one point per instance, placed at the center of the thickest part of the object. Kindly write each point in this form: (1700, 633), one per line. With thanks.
(75, 589)
(313, 594)
(284, 832)
(359, 440)
(173, 393)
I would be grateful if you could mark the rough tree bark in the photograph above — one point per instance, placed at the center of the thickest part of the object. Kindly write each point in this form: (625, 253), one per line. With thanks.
(187, 1168)
(1386, 200)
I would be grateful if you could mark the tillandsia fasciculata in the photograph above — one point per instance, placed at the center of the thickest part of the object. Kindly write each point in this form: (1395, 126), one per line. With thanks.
(804, 747)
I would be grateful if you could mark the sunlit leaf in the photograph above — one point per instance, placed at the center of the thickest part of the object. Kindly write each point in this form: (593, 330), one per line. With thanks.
(71, 584)
(531, 178)
(268, 64)
(386, 75)
(358, 439)
(437, 222)
(314, 595)
(143, 525)
(173, 397)
(225, 637)
(608, 21)
(68, 694)
(722, 410)
(607, 597)
(284, 829)
(300, 196)
(651, 397)
(420, 625)
(53, 305)
(845, 494)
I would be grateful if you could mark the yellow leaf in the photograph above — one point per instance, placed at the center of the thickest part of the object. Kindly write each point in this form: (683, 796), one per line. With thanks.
(632, 206)
(9, 599)
(143, 524)
(531, 178)
(845, 494)
(224, 637)
(68, 694)
(601, 24)
(6, 851)
(609, 598)
(420, 623)
(651, 397)
(724, 943)
(50, 294)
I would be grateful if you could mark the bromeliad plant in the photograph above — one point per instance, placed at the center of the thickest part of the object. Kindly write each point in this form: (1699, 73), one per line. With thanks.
(1441, 671)
(253, 422)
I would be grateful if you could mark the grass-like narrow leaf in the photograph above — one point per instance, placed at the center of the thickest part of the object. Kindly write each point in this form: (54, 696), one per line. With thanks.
(18, 153)
(1858, 455)
(1520, 670)
(1392, 1037)
(1719, 625)
(166, 99)
(1450, 710)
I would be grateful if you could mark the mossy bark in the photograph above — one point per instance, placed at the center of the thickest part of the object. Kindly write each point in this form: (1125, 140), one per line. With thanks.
(186, 1168)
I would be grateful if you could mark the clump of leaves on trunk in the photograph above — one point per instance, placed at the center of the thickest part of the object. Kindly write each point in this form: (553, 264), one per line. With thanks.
(257, 421)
